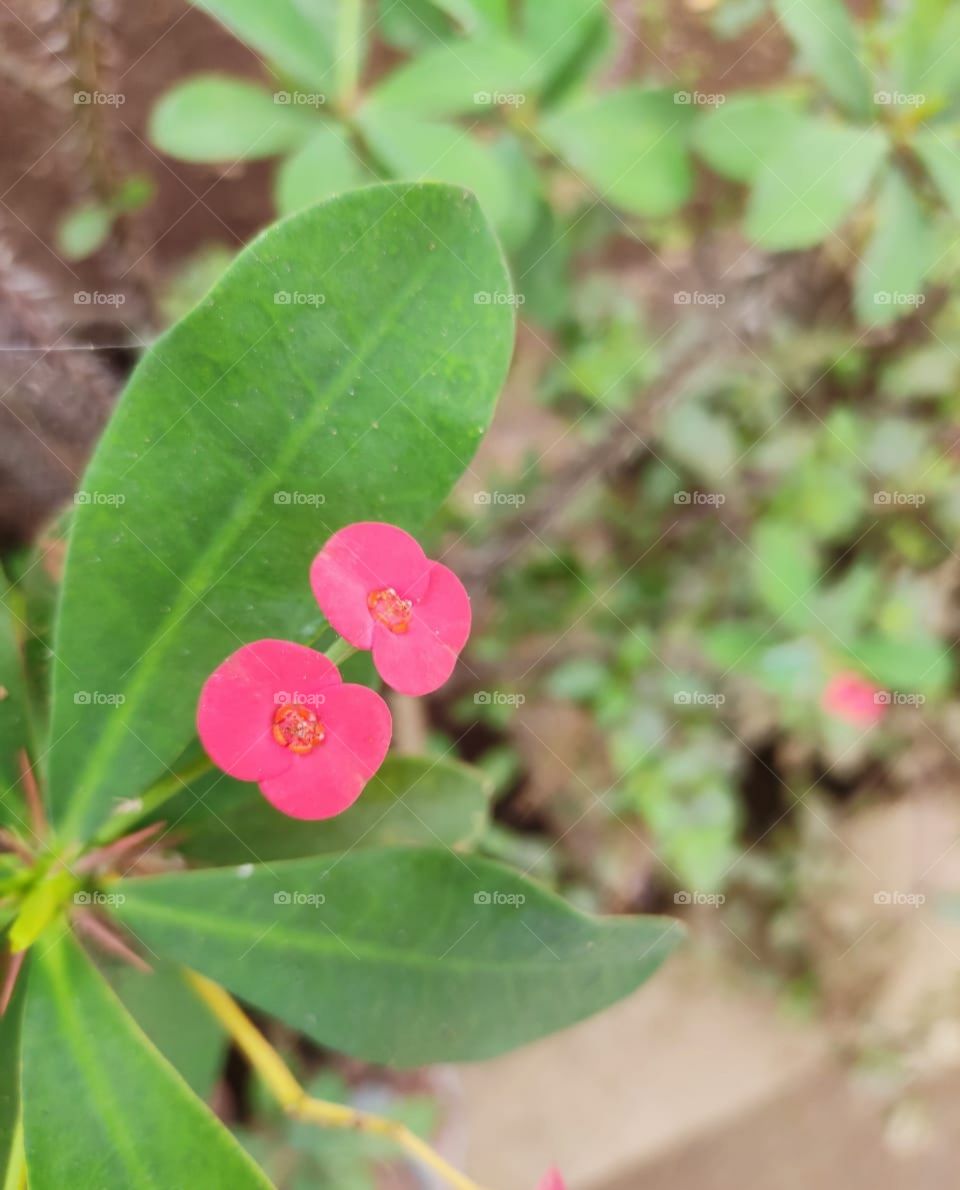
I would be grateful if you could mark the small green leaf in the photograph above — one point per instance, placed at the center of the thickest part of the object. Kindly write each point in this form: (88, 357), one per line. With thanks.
(215, 118)
(465, 76)
(939, 150)
(299, 396)
(420, 150)
(739, 135)
(832, 47)
(402, 956)
(411, 800)
(84, 230)
(630, 145)
(786, 572)
(926, 51)
(889, 278)
(324, 166)
(570, 37)
(13, 711)
(806, 189)
(298, 37)
(142, 1126)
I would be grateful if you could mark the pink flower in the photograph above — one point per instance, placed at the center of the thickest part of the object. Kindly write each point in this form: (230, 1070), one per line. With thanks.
(552, 1180)
(853, 699)
(280, 714)
(380, 591)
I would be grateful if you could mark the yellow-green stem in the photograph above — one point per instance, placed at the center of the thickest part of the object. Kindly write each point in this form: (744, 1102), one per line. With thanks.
(283, 1086)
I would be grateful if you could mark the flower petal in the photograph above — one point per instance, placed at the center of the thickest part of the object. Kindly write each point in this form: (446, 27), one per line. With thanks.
(361, 558)
(421, 659)
(238, 701)
(330, 778)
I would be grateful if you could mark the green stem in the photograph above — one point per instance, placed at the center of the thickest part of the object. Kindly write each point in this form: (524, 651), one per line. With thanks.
(155, 796)
(339, 651)
(349, 47)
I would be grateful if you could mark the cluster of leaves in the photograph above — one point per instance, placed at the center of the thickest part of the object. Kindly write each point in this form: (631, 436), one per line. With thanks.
(872, 142)
(377, 933)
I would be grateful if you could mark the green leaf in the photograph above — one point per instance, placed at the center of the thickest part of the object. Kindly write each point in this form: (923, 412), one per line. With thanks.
(465, 76)
(13, 712)
(404, 956)
(142, 1126)
(416, 149)
(828, 41)
(569, 36)
(11, 1040)
(411, 800)
(807, 188)
(324, 166)
(737, 137)
(299, 396)
(786, 572)
(939, 150)
(926, 51)
(889, 278)
(175, 1019)
(84, 230)
(630, 145)
(215, 118)
(298, 37)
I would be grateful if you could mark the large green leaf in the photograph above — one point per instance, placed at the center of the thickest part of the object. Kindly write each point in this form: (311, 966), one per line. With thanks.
(569, 36)
(889, 278)
(738, 136)
(102, 1109)
(411, 800)
(298, 37)
(302, 394)
(213, 118)
(461, 76)
(11, 1032)
(925, 51)
(13, 709)
(807, 187)
(413, 148)
(175, 1019)
(630, 145)
(403, 956)
(829, 42)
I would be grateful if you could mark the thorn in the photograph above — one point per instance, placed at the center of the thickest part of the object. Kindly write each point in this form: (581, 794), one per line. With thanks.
(35, 805)
(10, 842)
(99, 932)
(10, 976)
(112, 851)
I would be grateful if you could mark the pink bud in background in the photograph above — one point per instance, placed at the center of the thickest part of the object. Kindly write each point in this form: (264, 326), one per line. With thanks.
(552, 1180)
(854, 699)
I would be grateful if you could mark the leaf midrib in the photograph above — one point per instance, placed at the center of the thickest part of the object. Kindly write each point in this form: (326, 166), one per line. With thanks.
(320, 945)
(200, 575)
